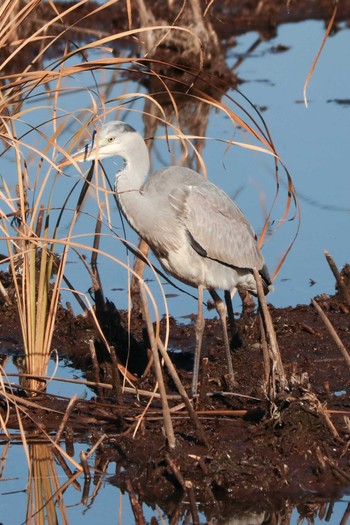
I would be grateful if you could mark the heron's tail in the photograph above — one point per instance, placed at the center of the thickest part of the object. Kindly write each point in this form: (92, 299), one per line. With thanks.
(266, 280)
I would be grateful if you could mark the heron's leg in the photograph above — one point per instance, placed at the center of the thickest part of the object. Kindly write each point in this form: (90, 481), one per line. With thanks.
(236, 341)
(220, 307)
(199, 338)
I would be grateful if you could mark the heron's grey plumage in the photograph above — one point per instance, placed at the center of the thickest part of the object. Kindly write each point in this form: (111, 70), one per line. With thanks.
(196, 231)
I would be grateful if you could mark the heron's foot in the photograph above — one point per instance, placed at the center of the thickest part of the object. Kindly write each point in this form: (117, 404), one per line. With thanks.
(230, 382)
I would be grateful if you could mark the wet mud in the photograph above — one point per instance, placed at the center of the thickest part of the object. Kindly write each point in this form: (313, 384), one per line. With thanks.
(257, 451)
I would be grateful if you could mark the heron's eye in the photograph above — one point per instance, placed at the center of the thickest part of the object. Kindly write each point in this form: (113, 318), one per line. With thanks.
(110, 139)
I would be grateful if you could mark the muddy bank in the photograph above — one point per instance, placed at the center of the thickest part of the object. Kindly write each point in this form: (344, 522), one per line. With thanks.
(296, 448)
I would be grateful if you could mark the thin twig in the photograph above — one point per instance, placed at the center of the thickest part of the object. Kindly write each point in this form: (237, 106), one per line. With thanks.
(67, 413)
(96, 367)
(176, 471)
(117, 387)
(332, 332)
(193, 504)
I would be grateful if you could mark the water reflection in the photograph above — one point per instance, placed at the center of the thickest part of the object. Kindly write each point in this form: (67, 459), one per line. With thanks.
(45, 494)
(57, 492)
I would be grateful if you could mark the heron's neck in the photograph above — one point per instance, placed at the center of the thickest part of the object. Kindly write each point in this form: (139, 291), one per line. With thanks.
(130, 179)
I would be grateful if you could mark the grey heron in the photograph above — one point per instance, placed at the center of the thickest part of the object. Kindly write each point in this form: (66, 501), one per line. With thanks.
(198, 234)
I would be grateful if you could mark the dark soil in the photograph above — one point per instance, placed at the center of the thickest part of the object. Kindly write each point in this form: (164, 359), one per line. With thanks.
(258, 452)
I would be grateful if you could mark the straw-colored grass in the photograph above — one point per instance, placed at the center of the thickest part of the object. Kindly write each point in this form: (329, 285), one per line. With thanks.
(30, 226)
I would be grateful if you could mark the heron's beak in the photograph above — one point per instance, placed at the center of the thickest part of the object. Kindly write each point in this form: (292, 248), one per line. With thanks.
(83, 154)
(88, 152)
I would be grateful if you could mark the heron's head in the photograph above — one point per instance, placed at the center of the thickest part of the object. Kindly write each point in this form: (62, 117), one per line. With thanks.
(112, 139)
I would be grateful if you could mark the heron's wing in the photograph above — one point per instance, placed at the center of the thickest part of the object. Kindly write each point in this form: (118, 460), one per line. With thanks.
(216, 227)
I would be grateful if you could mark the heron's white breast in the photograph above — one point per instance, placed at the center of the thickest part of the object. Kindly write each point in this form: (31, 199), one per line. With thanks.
(191, 268)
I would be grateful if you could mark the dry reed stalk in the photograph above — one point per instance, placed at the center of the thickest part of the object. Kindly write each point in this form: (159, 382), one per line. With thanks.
(265, 349)
(37, 299)
(168, 426)
(96, 367)
(37, 314)
(338, 277)
(116, 383)
(68, 472)
(193, 503)
(107, 386)
(346, 516)
(203, 382)
(86, 491)
(175, 377)
(4, 294)
(332, 332)
(139, 268)
(318, 407)
(328, 30)
(341, 473)
(4, 416)
(135, 504)
(176, 471)
(45, 502)
(85, 465)
(277, 377)
(96, 445)
(3, 458)
(127, 390)
(149, 364)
